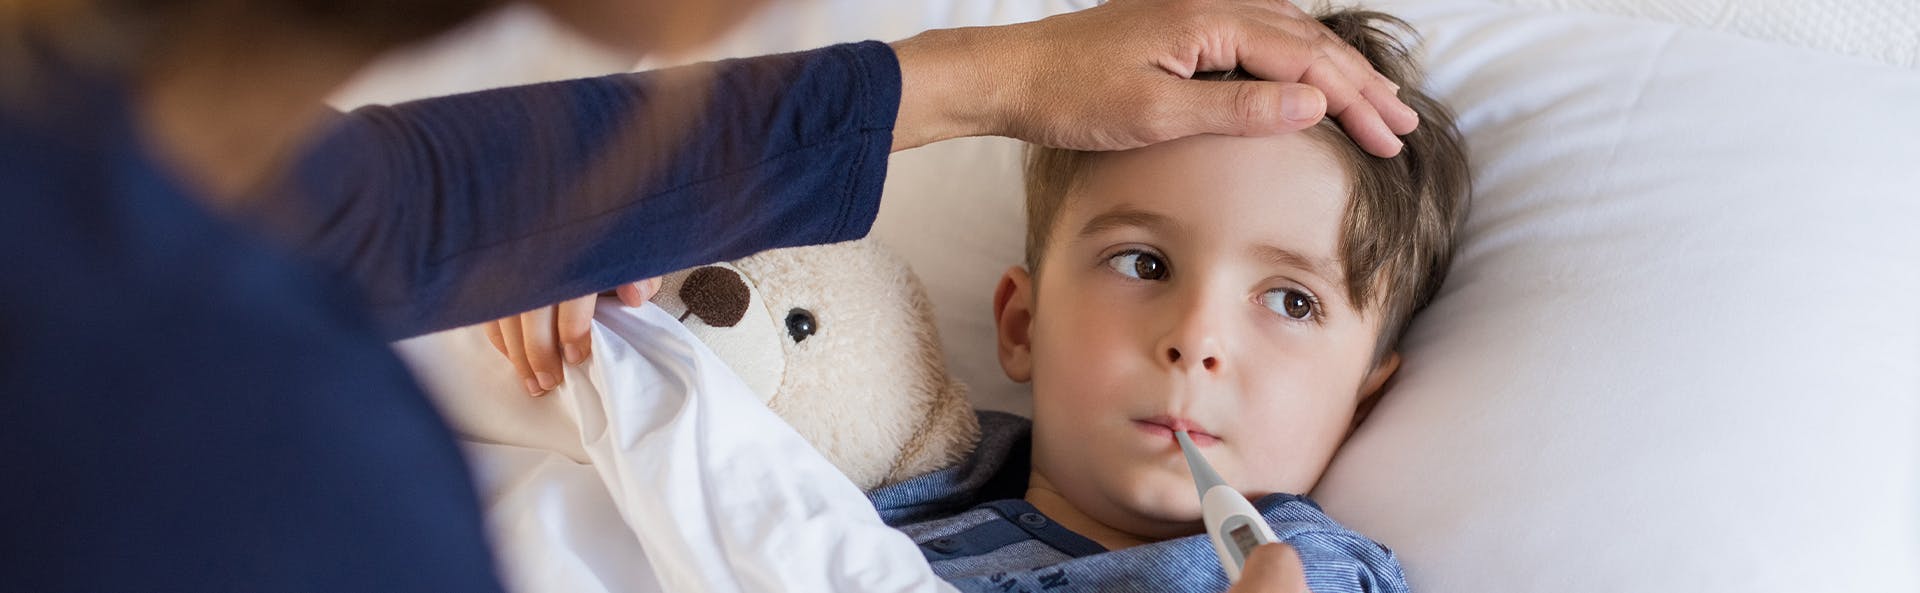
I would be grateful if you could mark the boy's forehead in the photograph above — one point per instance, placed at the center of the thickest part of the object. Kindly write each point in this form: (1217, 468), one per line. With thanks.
(1288, 167)
(1287, 190)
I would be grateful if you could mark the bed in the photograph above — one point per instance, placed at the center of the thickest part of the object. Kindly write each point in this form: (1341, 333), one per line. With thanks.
(1679, 349)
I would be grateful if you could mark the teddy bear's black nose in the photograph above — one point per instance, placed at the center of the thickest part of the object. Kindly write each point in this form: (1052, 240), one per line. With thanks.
(716, 295)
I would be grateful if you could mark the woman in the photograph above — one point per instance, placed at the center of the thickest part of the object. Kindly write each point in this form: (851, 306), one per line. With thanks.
(206, 264)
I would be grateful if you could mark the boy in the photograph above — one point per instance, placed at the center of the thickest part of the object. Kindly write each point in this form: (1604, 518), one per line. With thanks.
(1248, 290)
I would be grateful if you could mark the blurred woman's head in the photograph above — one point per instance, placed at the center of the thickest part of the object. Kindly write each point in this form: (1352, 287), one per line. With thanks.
(227, 90)
(133, 26)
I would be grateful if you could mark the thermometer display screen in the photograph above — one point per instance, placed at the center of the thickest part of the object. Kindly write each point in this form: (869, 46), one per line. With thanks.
(1244, 538)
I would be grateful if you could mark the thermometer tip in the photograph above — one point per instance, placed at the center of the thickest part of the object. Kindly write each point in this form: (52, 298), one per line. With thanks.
(1204, 477)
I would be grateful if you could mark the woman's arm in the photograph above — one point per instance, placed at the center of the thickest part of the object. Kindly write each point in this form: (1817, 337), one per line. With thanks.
(461, 209)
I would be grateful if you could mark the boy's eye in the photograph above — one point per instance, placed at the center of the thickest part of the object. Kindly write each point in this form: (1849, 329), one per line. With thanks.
(1294, 304)
(1138, 264)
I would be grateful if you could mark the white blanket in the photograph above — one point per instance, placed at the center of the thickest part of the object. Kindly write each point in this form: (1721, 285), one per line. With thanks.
(654, 468)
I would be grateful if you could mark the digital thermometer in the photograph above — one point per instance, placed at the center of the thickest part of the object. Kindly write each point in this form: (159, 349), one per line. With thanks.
(1235, 528)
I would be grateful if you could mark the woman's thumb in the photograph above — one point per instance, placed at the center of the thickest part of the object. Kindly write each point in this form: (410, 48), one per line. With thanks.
(1252, 107)
(1272, 568)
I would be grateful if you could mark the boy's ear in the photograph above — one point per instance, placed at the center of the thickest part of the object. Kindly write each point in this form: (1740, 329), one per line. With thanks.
(1013, 319)
(1370, 389)
(1378, 377)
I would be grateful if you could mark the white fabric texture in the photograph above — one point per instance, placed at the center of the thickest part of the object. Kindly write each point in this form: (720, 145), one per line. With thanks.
(677, 478)
(1678, 350)
(1884, 30)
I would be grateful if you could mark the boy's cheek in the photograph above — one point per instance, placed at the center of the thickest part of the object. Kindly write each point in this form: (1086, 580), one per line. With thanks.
(1075, 365)
(1286, 456)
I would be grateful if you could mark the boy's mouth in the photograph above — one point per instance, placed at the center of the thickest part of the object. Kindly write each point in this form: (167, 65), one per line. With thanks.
(1164, 427)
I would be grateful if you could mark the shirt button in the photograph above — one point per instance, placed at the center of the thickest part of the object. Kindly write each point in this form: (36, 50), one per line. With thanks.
(945, 545)
(1032, 519)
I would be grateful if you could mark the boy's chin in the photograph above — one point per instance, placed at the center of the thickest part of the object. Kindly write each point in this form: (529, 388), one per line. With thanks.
(1166, 507)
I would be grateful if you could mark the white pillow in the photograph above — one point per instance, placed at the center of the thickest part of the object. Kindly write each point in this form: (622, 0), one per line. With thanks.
(1875, 29)
(1679, 349)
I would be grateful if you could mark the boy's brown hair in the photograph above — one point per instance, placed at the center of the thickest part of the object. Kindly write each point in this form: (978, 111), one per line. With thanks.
(1397, 238)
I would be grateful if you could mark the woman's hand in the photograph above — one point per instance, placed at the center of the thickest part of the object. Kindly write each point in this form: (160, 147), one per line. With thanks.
(538, 341)
(1272, 568)
(1117, 76)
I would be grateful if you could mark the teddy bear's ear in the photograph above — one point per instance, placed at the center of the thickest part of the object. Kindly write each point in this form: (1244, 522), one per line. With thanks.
(717, 294)
(720, 305)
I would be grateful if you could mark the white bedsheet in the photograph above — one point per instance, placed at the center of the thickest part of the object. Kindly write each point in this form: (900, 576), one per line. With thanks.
(655, 468)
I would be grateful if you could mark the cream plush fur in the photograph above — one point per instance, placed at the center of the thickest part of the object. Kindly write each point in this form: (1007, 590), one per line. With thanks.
(868, 386)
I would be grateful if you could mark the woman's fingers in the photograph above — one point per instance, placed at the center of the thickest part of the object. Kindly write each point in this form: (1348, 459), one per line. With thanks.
(1372, 86)
(1272, 568)
(630, 295)
(1384, 97)
(528, 340)
(574, 323)
(1367, 129)
(542, 346)
(1356, 95)
(516, 344)
(493, 336)
(541, 341)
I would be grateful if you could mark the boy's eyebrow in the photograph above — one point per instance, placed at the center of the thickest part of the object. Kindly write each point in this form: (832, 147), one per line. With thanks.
(1327, 269)
(1128, 217)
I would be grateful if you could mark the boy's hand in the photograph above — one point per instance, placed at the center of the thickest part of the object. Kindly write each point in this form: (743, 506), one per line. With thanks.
(1116, 76)
(537, 342)
(1272, 568)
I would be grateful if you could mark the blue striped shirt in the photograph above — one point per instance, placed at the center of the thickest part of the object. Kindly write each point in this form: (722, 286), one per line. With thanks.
(977, 532)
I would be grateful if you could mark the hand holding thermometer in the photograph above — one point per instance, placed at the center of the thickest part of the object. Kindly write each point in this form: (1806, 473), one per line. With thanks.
(1232, 523)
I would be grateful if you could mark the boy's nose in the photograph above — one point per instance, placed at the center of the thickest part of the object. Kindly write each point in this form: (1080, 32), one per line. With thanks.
(1192, 342)
(1201, 358)
(1193, 345)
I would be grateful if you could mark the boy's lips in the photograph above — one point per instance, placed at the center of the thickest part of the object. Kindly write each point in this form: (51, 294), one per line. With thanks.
(1164, 426)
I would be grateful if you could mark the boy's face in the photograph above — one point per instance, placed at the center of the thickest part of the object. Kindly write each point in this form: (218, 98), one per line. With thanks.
(1193, 282)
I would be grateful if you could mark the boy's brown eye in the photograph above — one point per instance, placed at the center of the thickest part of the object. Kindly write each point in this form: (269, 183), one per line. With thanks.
(1294, 304)
(1138, 264)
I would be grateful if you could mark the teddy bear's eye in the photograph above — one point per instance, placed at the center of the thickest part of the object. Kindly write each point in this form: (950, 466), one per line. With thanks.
(800, 324)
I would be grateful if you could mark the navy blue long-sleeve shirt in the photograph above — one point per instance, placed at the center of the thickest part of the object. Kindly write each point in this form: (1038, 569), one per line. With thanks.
(461, 209)
(191, 401)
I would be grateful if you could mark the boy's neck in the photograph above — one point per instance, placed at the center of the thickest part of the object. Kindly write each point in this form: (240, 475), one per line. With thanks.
(1043, 496)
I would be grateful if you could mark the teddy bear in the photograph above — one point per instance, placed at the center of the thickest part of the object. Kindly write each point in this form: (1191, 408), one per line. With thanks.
(839, 341)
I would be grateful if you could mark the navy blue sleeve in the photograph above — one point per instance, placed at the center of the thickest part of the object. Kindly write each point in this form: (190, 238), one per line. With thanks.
(460, 209)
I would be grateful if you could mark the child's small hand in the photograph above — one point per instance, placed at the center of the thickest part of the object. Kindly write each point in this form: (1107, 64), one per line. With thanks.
(1272, 568)
(537, 341)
